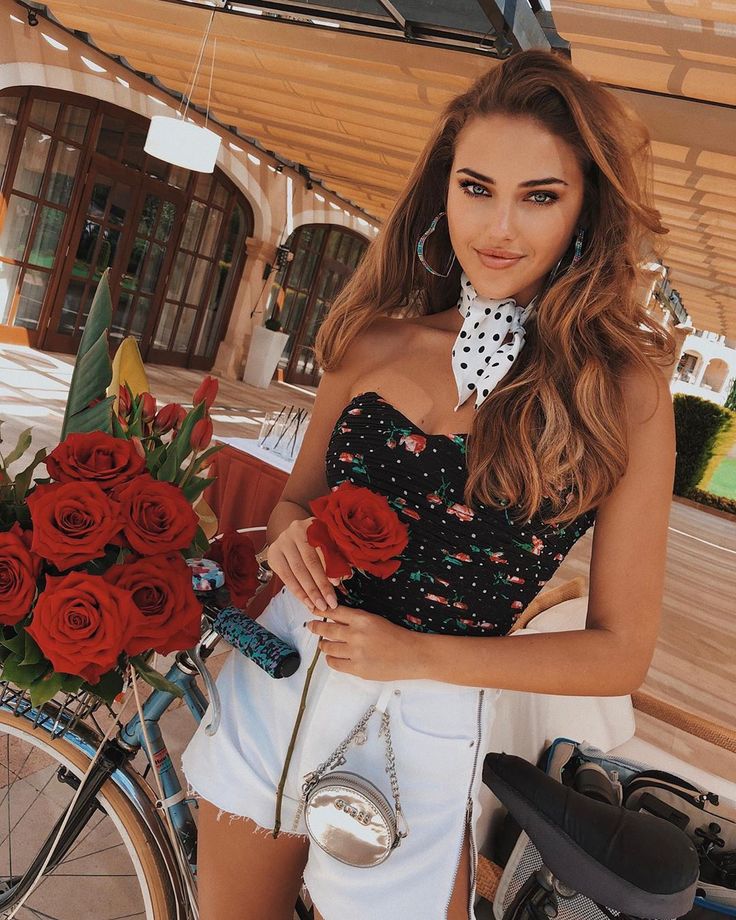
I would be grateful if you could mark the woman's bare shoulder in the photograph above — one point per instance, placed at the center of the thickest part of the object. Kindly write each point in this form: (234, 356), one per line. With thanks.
(377, 344)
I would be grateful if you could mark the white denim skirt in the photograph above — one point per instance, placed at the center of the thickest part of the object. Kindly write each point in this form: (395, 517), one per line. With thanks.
(439, 733)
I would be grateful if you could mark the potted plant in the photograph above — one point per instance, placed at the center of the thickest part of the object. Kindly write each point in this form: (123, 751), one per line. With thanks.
(267, 344)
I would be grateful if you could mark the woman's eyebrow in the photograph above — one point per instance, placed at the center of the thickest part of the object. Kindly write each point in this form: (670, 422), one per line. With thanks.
(530, 183)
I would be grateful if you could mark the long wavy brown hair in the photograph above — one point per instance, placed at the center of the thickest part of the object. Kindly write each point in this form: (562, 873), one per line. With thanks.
(552, 432)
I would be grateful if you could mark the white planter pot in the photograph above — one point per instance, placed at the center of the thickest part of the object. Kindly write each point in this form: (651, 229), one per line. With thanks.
(266, 347)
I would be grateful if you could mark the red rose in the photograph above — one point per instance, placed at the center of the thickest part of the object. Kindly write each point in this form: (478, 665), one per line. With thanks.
(81, 624)
(356, 527)
(206, 392)
(157, 518)
(169, 613)
(237, 555)
(18, 573)
(95, 457)
(72, 522)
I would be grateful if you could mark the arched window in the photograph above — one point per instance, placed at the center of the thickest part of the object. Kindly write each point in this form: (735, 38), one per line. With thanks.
(80, 195)
(324, 257)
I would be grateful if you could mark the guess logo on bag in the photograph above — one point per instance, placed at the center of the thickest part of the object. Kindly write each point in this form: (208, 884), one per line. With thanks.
(362, 816)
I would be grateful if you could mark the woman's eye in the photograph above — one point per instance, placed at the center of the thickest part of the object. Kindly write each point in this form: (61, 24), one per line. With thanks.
(547, 197)
(468, 184)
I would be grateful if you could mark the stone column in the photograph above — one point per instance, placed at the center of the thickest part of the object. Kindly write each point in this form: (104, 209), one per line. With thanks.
(252, 293)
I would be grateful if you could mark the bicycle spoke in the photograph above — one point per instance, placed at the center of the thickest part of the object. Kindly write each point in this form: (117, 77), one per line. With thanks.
(39, 792)
(82, 839)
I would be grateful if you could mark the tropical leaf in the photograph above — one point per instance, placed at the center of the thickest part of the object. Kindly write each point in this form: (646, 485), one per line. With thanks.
(92, 370)
(152, 677)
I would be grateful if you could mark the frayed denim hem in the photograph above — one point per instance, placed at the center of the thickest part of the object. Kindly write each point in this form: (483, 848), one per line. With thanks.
(258, 828)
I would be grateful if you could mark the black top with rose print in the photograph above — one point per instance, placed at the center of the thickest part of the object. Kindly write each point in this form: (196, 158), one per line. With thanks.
(462, 572)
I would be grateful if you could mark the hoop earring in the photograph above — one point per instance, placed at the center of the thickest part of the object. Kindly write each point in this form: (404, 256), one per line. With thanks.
(575, 259)
(420, 249)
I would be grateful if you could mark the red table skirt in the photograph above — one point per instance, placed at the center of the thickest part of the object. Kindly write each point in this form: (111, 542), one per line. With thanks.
(244, 494)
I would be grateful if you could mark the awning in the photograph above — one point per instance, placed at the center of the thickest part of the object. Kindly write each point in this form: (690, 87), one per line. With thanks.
(353, 100)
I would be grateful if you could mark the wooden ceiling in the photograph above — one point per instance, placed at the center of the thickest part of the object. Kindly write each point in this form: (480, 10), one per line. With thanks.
(356, 109)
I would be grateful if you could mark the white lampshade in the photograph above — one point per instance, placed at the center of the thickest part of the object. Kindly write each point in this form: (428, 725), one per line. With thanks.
(182, 143)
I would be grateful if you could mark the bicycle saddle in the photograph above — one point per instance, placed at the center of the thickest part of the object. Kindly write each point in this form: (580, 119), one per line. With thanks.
(629, 861)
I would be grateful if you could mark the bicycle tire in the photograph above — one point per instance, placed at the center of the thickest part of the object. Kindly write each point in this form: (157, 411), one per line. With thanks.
(154, 878)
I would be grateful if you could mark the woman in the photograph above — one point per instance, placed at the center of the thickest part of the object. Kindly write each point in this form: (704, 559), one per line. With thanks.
(516, 398)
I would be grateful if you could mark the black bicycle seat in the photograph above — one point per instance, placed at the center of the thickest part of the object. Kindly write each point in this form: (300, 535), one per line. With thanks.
(628, 861)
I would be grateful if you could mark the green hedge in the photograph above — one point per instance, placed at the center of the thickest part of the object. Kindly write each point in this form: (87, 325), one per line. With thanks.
(698, 422)
(714, 501)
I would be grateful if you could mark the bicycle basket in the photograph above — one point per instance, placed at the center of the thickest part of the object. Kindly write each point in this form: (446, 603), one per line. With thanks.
(59, 715)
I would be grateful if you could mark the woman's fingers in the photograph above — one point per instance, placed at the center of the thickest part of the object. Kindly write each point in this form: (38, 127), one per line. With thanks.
(305, 571)
(280, 565)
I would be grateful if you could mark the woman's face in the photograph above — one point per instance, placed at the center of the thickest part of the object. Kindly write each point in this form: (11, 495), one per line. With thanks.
(517, 190)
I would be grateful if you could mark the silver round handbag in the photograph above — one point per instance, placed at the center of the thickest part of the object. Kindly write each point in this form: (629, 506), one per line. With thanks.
(347, 815)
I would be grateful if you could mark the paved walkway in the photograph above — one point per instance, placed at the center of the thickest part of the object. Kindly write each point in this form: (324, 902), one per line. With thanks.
(694, 664)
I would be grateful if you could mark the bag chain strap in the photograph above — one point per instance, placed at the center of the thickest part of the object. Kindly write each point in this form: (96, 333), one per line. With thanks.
(337, 759)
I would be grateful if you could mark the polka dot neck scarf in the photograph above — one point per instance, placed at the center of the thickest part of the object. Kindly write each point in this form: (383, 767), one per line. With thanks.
(479, 356)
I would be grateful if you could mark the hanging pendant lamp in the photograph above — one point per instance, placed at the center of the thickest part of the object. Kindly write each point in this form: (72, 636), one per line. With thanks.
(181, 142)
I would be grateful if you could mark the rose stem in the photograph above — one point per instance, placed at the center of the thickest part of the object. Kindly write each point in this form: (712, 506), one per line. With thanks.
(290, 750)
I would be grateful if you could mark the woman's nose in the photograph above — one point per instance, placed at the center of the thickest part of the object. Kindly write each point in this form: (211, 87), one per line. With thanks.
(501, 221)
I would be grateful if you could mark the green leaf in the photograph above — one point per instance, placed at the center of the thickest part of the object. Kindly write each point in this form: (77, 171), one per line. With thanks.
(71, 683)
(195, 487)
(94, 418)
(93, 369)
(17, 673)
(117, 429)
(155, 457)
(204, 456)
(107, 687)
(23, 479)
(22, 445)
(180, 447)
(154, 678)
(45, 687)
(33, 654)
(16, 644)
(199, 545)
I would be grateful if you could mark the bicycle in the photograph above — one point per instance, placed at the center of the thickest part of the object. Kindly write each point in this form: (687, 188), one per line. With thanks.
(116, 833)
(142, 840)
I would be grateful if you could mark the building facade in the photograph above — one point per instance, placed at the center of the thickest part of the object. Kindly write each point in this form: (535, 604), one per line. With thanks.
(190, 255)
(707, 367)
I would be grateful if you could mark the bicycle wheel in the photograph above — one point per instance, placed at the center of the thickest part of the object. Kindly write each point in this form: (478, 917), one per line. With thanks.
(113, 870)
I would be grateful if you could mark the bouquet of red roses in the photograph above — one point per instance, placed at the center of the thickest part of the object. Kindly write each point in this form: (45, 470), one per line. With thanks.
(92, 557)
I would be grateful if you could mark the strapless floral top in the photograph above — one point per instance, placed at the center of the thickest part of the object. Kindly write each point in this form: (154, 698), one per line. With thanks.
(463, 571)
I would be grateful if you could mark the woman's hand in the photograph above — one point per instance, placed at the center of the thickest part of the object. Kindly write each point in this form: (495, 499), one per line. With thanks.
(367, 645)
(301, 567)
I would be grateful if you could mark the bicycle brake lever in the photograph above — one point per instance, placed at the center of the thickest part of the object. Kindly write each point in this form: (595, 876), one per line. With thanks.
(212, 692)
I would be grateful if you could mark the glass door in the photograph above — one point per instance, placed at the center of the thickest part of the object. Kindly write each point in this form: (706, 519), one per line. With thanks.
(123, 225)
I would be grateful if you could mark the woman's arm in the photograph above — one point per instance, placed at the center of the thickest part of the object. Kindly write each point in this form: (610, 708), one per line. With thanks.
(611, 656)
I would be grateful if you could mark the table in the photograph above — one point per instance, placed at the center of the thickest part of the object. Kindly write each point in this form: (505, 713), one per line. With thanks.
(248, 486)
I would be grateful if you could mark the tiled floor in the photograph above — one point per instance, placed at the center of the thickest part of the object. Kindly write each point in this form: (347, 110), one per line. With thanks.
(694, 664)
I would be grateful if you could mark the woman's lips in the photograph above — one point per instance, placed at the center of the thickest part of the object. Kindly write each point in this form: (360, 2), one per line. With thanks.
(498, 261)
